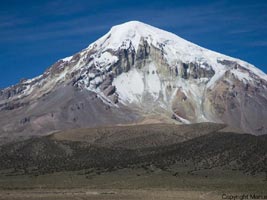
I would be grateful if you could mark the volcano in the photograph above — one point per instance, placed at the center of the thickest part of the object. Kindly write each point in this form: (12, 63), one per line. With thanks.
(137, 74)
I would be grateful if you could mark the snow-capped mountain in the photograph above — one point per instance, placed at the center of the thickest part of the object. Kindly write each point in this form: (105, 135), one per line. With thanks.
(137, 73)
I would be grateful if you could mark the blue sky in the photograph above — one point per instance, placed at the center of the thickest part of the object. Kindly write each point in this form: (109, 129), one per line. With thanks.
(34, 34)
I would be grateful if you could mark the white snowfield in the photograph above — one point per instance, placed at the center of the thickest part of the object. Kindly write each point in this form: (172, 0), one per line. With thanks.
(130, 86)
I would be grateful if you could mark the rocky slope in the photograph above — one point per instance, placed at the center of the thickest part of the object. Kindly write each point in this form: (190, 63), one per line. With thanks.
(133, 72)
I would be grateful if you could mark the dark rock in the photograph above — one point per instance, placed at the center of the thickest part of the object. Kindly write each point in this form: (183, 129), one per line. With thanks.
(13, 106)
(110, 90)
(115, 98)
(227, 63)
(184, 71)
(107, 82)
(176, 71)
(25, 120)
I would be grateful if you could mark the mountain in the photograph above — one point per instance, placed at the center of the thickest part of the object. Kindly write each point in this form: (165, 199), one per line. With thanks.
(137, 73)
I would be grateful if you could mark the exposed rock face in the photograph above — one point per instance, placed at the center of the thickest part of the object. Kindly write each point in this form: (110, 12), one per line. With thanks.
(110, 90)
(239, 103)
(183, 106)
(137, 70)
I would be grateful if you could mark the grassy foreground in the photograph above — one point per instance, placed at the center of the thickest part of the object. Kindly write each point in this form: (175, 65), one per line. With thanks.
(157, 162)
(153, 183)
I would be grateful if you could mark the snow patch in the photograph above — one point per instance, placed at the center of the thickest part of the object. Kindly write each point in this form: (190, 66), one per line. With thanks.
(105, 59)
(185, 121)
(218, 74)
(67, 59)
(243, 76)
(152, 80)
(129, 86)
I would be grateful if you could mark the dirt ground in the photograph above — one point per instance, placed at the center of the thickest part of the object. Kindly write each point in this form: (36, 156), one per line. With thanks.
(84, 194)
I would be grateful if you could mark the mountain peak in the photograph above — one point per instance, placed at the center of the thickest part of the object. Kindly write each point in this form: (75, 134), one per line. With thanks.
(141, 68)
(134, 31)
(130, 24)
(139, 27)
(174, 48)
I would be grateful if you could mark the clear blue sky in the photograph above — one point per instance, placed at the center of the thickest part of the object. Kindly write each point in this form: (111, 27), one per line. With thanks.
(34, 34)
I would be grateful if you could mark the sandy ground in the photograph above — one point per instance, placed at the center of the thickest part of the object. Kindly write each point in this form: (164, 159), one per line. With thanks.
(84, 194)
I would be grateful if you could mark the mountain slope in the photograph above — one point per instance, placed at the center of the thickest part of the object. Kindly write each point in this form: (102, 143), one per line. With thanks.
(134, 72)
(179, 146)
